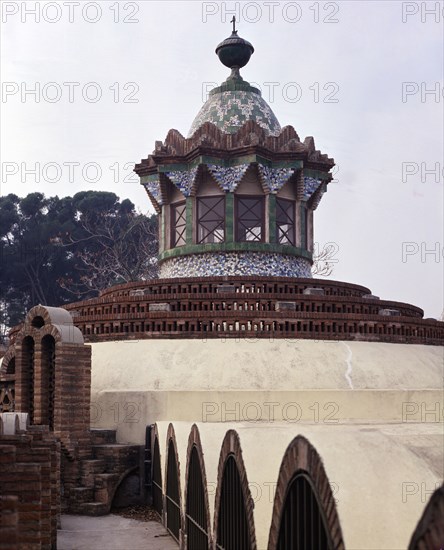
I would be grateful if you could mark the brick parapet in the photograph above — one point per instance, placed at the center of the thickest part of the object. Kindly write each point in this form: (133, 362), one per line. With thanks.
(197, 308)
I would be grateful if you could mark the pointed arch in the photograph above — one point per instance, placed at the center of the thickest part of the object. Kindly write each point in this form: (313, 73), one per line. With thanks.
(233, 511)
(197, 510)
(173, 504)
(304, 511)
(156, 472)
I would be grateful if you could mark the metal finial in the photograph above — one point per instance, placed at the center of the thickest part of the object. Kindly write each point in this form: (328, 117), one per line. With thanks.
(234, 24)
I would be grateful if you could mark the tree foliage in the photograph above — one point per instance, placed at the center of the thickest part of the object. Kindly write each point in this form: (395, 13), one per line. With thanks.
(57, 250)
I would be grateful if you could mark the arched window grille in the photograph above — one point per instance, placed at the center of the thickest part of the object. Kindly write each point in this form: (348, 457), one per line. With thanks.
(196, 511)
(232, 528)
(48, 380)
(172, 494)
(157, 479)
(302, 524)
(28, 349)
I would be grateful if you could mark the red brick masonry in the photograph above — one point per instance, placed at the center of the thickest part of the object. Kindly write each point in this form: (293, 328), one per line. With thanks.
(251, 307)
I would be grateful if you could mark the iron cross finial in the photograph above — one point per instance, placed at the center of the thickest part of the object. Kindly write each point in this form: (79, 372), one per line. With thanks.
(234, 23)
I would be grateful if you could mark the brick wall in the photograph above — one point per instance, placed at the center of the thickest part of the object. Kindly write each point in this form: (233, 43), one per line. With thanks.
(30, 471)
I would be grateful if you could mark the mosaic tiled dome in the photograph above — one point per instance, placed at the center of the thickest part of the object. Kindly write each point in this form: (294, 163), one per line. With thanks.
(229, 110)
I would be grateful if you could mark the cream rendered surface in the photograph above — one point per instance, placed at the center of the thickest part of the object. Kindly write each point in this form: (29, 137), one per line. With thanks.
(373, 411)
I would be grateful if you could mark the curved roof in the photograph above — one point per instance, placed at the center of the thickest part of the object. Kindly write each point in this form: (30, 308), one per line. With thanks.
(229, 110)
(263, 365)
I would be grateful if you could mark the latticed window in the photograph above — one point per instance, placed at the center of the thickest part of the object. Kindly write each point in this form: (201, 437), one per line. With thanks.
(178, 224)
(285, 221)
(250, 219)
(211, 220)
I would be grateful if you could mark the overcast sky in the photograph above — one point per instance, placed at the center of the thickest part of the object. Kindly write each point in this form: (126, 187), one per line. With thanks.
(333, 70)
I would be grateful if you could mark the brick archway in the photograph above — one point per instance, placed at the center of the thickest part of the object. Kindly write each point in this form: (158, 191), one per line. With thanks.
(194, 442)
(231, 448)
(302, 458)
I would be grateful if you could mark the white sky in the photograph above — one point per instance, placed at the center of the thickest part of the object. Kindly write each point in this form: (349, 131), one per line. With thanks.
(366, 53)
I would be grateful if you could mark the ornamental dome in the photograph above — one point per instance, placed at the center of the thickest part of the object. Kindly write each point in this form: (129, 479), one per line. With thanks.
(229, 110)
(232, 104)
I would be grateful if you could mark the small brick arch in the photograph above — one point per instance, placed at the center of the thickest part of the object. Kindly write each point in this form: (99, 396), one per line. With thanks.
(302, 457)
(7, 358)
(49, 315)
(56, 321)
(231, 447)
(195, 442)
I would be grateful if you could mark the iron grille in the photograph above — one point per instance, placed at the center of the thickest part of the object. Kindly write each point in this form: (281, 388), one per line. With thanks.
(302, 524)
(179, 224)
(285, 221)
(172, 494)
(232, 528)
(196, 511)
(250, 219)
(157, 479)
(211, 220)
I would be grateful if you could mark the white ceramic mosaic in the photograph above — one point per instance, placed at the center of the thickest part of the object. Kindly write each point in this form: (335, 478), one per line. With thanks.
(275, 178)
(153, 186)
(235, 263)
(184, 181)
(310, 186)
(229, 111)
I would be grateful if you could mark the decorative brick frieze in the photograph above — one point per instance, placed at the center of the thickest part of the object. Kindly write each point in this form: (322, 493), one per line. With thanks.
(338, 311)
